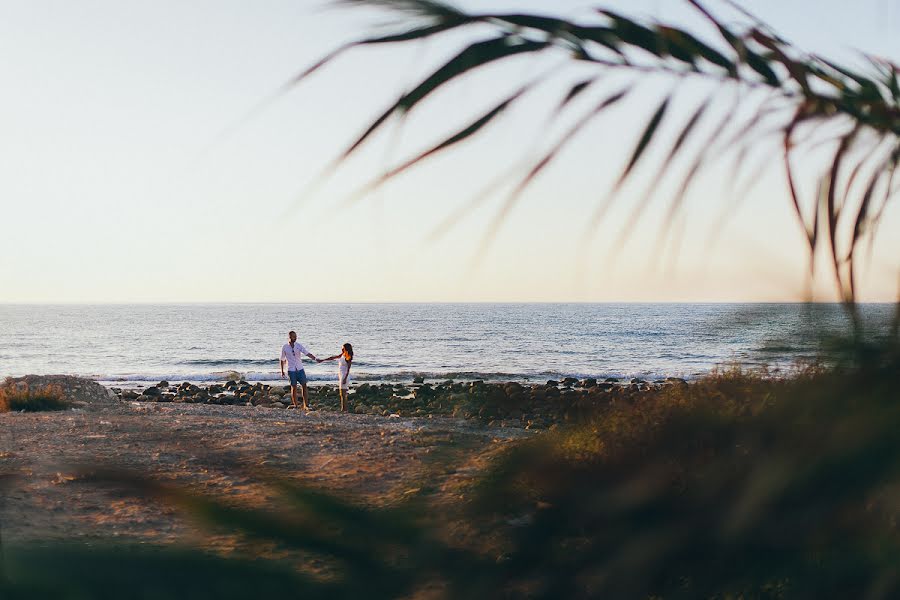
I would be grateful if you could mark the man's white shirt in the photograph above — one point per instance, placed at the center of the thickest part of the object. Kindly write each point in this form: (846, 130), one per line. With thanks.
(294, 356)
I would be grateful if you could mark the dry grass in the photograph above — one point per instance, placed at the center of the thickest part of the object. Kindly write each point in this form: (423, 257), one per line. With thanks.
(25, 397)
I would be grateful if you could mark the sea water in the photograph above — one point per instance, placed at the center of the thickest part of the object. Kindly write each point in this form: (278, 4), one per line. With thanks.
(135, 344)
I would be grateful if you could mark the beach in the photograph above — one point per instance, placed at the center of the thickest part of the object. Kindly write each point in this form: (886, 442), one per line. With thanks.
(230, 439)
(234, 452)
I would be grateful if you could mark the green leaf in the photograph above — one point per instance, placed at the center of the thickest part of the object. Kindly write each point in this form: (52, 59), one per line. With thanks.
(707, 52)
(761, 66)
(675, 46)
(634, 34)
(604, 36)
(551, 25)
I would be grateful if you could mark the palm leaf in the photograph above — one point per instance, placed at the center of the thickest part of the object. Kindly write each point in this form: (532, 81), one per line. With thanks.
(805, 89)
(545, 161)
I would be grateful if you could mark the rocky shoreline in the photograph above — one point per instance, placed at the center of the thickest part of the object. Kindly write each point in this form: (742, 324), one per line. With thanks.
(509, 404)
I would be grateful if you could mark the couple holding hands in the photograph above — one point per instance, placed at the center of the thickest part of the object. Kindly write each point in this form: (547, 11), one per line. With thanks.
(292, 355)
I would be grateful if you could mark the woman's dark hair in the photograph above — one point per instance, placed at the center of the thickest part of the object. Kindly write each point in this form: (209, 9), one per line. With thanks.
(349, 349)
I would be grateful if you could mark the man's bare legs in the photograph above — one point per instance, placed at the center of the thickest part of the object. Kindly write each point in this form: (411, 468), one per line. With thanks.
(305, 394)
(294, 395)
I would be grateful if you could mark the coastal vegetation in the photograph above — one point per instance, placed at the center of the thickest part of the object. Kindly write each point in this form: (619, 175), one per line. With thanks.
(24, 396)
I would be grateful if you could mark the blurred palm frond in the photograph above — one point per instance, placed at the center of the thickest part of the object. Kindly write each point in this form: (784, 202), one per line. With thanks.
(857, 111)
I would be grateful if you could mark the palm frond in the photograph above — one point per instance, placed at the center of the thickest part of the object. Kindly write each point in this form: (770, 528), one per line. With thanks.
(807, 92)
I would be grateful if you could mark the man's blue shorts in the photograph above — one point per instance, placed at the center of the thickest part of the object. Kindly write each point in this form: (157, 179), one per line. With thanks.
(298, 377)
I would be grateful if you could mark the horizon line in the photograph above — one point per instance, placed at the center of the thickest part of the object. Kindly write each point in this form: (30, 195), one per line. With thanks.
(413, 302)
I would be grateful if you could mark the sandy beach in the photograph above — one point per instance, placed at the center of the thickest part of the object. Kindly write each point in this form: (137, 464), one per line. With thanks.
(231, 452)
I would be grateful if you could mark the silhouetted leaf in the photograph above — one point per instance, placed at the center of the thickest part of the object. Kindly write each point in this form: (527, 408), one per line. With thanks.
(832, 211)
(796, 69)
(633, 33)
(547, 159)
(605, 36)
(641, 206)
(867, 88)
(706, 51)
(457, 137)
(405, 36)
(474, 56)
(575, 91)
(761, 66)
(644, 140)
(816, 93)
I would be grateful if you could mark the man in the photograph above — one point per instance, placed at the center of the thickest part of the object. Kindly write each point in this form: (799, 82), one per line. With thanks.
(292, 355)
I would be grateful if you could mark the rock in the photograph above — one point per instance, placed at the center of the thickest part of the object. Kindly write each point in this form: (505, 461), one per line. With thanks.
(676, 381)
(587, 382)
(512, 388)
(424, 392)
(152, 391)
(162, 384)
(569, 381)
(166, 397)
(637, 380)
(611, 380)
(552, 382)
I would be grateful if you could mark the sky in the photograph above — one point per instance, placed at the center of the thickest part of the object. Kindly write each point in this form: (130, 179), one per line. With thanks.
(140, 161)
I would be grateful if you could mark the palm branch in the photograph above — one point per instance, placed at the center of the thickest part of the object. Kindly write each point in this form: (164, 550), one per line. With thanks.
(812, 102)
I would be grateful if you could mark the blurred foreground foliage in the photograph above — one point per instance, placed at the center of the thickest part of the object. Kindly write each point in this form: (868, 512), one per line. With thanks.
(737, 486)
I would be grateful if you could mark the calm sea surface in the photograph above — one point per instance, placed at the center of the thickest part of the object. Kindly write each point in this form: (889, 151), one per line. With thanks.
(147, 343)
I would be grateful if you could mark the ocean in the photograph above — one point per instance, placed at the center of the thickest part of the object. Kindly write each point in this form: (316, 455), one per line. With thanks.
(130, 345)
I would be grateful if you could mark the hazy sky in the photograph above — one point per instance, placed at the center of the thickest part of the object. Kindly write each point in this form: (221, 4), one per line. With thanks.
(118, 185)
